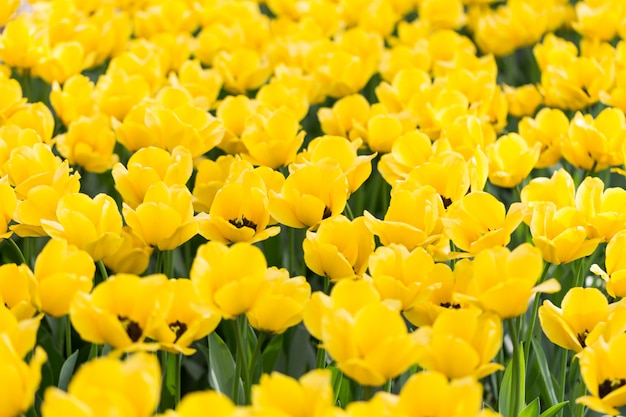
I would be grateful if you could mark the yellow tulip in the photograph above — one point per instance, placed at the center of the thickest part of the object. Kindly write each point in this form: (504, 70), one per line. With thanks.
(412, 219)
(203, 84)
(11, 98)
(122, 310)
(9, 7)
(93, 225)
(8, 203)
(223, 281)
(21, 379)
(74, 99)
(461, 343)
(196, 403)
(36, 116)
(131, 388)
(430, 393)
(309, 195)
(339, 248)
(20, 333)
(558, 189)
(523, 100)
(61, 271)
(117, 92)
(603, 370)
(234, 111)
(242, 69)
(165, 217)
(148, 166)
(599, 20)
(615, 263)
(581, 311)
(21, 44)
(511, 160)
(133, 255)
(62, 61)
(549, 127)
(503, 280)
(280, 302)
(478, 221)
(18, 290)
(341, 118)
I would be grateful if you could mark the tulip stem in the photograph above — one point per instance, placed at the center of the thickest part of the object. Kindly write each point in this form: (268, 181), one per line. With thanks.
(68, 336)
(17, 250)
(103, 270)
(517, 402)
(255, 356)
(533, 313)
(348, 210)
(241, 364)
(164, 263)
(172, 377)
(320, 359)
(387, 386)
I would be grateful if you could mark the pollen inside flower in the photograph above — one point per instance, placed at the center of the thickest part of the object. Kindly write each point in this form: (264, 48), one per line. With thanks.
(178, 328)
(582, 337)
(243, 222)
(132, 328)
(610, 385)
(454, 306)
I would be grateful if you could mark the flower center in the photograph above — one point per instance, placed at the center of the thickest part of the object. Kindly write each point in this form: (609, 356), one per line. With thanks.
(243, 222)
(582, 338)
(132, 328)
(454, 306)
(178, 328)
(327, 213)
(610, 385)
(446, 201)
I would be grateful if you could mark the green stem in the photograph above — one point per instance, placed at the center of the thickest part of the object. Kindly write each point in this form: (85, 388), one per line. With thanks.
(173, 375)
(168, 263)
(292, 251)
(256, 354)
(533, 313)
(17, 250)
(104, 275)
(366, 392)
(348, 210)
(516, 403)
(320, 359)
(326, 285)
(28, 251)
(387, 386)
(563, 375)
(68, 336)
(241, 365)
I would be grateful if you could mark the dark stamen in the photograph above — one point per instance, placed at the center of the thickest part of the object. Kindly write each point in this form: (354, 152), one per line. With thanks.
(243, 222)
(327, 213)
(132, 328)
(454, 306)
(610, 385)
(178, 328)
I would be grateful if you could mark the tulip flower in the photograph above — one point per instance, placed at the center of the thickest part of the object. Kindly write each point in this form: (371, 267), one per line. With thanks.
(131, 387)
(61, 271)
(341, 118)
(117, 92)
(8, 203)
(226, 283)
(22, 333)
(93, 225)
(21, 379)
(122, 310)
(165, 217)
(74, 99)
(603, 369)
(478, 221)
(461, 343)
(339, 248)
(549, 127)
(615, 264)
(581, 311)
(133, 255)
(197, 402)
(18, 290)
(511, 160)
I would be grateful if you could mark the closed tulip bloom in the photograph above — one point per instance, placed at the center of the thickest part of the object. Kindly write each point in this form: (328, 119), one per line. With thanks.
(242, 69)
(549, 127)
(133, 255)
(234, 111)
(148, 166)
(603, 209)
(61, 271)
(117, 92)
(599, 20)
(12, 137)
(412, 219)
(8, 203)
(272, 138)
(615, 264)
(226, 283)
(504, 281)
(431, 393)
(18, 290)
(280, 302)
(21, 379)
(339, 248)
(122, 310)
(20, 333)
(93, 225)
(603, 369)
(309, 396)
(478, 221)
(461, 343)
(560, 234)
(186, 320)
(511, 160)
(62, 61)
(341, 118)
(9, 7)
(596, 143)
(74, 99)
(558, 189)
(165, 217)
(109, 386)
(523, 100)
(309, 195)
(197, 402)
(356, 167)
(410, 150)
(581, 311)
(21, 44)
(89, 142)
(36, 116)
(400, 274)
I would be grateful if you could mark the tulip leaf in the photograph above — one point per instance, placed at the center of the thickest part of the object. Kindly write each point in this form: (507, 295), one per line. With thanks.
(531, 410)
(505, 396)
(544, 369)
(67, 370)
(554, 409)
(336, 380)
(221, 367)
(270, 354)
(513, 389)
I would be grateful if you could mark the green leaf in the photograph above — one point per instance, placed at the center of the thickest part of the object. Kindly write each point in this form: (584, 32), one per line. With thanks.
(554, 409)
(531, 410)
(221, 367)
(544, 369)
(270, 354)
(505, 400)
(336, 381)
(67, 370)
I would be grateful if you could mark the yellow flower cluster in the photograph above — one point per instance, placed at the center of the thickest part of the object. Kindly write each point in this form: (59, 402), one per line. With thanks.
(379, 175)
